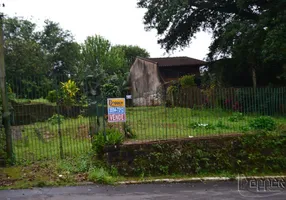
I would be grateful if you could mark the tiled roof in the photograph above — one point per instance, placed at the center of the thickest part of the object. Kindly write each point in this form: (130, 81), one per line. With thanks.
(176, 61)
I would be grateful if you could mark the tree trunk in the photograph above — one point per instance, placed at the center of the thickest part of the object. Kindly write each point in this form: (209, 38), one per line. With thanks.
(254, 79)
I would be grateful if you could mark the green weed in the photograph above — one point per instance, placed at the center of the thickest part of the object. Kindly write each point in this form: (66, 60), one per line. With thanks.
(100, 175)
(111, 137)
(55, 119)
(263, 123)
(236, 117)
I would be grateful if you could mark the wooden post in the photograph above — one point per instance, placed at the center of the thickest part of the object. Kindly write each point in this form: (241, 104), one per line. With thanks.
(5, 107)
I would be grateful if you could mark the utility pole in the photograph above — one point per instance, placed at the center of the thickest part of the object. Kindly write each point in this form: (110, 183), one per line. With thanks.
(5, 106)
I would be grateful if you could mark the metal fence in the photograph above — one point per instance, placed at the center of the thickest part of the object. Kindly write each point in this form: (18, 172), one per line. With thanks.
(193, 112)
(45, 125)
(45, 122)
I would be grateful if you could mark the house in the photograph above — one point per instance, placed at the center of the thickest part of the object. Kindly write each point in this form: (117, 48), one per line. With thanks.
(149, 76)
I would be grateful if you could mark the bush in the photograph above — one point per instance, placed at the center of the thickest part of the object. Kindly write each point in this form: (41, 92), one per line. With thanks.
(67, 93)
(110, 90)
(236, 117)
(187, 81)
(263, 123)
(100, 175)
(52, 96)
(172, 95)
(113, 137)
(83, 100)
(70, 90)
(55, 119)
(171, 90)
(128, 131)
(221, 125)
(80, 117)
(10, 93)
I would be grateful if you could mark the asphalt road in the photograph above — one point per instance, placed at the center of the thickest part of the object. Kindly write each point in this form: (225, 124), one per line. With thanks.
(179, 191)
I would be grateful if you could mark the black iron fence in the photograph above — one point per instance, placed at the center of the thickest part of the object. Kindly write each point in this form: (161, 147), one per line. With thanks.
(54, 118)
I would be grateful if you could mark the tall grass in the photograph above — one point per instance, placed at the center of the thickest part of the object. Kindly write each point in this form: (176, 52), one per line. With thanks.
(42, 140)
(151, 123)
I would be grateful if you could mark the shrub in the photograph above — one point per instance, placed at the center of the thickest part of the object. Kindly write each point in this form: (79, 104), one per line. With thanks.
(10, 93)
(128, 131)
(110, 90)
(52, 96)
(187, 81)
(172, 89)
(172, 92)
(113, 137)
(245, 129)
(80, 117)
(83, 100)
(236, 117)
(55, 119)
(221, 125)
(263, 123)
(70, 90)
(100, 175)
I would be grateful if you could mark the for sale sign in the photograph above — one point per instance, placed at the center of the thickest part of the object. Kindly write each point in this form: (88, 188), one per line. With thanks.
(116, 110)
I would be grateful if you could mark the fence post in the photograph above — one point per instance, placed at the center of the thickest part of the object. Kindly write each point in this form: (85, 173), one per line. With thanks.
(5, 107)
(59, 120)
(103, 118)
(166, 120)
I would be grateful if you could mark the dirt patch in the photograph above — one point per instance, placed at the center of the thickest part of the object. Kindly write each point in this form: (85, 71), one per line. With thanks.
(82, 177)
(82, 131)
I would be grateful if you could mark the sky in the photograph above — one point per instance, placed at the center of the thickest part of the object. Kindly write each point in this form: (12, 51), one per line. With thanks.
(119, 21)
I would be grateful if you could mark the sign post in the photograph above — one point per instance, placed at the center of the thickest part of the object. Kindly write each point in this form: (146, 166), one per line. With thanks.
(116, 110)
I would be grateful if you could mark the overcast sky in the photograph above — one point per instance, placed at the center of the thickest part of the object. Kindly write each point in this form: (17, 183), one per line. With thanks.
(119, 21)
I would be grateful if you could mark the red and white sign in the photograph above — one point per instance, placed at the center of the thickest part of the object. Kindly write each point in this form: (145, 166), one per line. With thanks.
(116, 118)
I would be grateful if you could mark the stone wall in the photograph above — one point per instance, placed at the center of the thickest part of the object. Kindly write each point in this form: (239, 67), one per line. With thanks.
(253, 153)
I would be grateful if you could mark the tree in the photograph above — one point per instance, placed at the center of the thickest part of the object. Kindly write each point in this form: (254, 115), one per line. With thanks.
(131, 52)
(240, 29)
(62, 53)
(97, 52)
(116, 85)
(24, 58)
(31, 56)
(99, 61)
(23, 55)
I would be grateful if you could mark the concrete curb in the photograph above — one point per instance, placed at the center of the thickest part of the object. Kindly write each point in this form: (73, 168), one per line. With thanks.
(202, 179)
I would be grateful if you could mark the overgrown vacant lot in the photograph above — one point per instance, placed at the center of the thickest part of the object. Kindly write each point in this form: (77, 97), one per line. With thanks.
(152, 123)
(43, 140)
